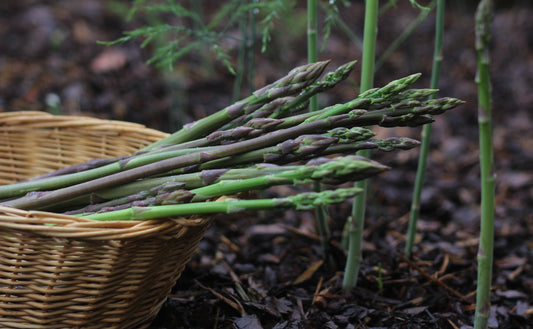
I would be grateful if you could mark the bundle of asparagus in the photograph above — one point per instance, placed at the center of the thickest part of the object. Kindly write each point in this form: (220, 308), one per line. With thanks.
(263, 140)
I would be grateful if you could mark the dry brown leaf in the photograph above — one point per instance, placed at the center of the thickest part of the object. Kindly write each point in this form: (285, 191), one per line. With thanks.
(309, 272)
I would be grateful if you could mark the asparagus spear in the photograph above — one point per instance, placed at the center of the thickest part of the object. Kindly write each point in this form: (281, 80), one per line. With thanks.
(284, 106)
(255, 126)
(385, 117)
(396, 88)
(229, 205)
(328, 171)
(375, 95)
(212, 176)
(55, 182)
(295, 81)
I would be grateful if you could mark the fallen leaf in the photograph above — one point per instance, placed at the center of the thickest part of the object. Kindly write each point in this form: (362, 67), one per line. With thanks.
(309, 272)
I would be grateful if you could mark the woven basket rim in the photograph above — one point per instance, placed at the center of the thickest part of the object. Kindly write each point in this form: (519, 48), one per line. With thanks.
(36, 119)
(68, 226)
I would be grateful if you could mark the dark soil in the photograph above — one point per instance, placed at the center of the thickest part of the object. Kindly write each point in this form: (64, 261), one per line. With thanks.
(265, 270)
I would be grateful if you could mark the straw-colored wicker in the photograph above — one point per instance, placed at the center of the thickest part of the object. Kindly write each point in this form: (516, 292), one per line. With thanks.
(59, 271)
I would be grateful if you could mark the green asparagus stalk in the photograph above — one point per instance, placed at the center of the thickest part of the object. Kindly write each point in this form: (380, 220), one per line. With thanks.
(212, 176)
(312, 56)
(385, 117)
(299, 148)
(426, 134)
(294, 150)
(329, 81)
(130, 192)
(301, 201)
(376, 95)
(55, 182)
(488, 177)
(264, 111)
(124, 201)
(355, 250)
(327, 171)
(282, 107)
(126, 163)
(84, 172)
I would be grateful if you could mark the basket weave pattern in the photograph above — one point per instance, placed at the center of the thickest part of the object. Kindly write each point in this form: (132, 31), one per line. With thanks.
(59, 271)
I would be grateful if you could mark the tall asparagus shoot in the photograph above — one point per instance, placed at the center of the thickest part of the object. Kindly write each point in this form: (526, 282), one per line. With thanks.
(312, 57)
(355, 235)
(241, 59)
(488, 177)
(312, 37)
(426, 132)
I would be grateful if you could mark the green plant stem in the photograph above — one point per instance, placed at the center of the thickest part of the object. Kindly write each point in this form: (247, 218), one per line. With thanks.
(211, 176)
(377, 98)
(250, 48)
(355, 243)
(488, 178)
(277, 155)
(301, 202)
(312, 42)
(283, 107)
(333, 171)
(312, 56)
(426, 132)
(241, 59)
(184, 181)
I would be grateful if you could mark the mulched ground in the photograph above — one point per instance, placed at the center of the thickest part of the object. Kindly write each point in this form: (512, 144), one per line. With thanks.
(266, 270)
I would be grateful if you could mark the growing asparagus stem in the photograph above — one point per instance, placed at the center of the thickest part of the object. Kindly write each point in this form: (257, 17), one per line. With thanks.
(355, 235)
(426, 134)
(488, 178)
(301, 201)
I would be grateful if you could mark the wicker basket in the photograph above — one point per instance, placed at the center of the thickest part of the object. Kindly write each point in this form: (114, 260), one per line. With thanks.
(60, 271)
